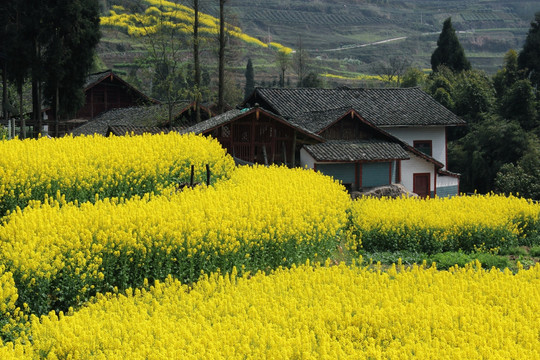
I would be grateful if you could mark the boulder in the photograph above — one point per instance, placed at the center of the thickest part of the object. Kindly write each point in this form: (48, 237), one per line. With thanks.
(393, 190)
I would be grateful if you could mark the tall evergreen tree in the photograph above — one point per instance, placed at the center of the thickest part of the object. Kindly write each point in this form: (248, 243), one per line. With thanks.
(37, 36)
(17, 54)
(529, 56)
(449, 51)
(221, 57)
(508, 75)
(7, 21)
(250, 79)
(54, 44)
(196, 62)
(69, 53)
(519, 103)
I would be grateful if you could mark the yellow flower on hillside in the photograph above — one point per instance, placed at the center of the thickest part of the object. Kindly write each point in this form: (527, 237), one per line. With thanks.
(262, 217)
(466, 223)
(310, 312)
(81, 167)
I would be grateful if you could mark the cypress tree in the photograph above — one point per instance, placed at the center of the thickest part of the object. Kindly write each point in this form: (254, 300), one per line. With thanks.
(221, 58)
(449, 51)
(69, 55)
(529, 56)
(250, 79)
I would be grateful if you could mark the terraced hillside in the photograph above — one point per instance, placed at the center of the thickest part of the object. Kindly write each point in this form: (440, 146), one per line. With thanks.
(339, 28)
(346, 37)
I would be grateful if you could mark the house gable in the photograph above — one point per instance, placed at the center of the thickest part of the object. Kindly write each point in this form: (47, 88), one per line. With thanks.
(255, 135)
(187, 116)
(350, 125)
(105, 91)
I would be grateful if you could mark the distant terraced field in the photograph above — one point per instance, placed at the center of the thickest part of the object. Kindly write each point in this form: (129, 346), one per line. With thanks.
(337, 34)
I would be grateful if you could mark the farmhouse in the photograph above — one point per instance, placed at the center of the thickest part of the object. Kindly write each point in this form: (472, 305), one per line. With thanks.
(103, 91)
(362, 137)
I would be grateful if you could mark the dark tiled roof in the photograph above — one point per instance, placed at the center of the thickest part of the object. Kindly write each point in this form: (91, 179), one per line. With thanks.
(316, 121)
(231, 115)
(216, 121)
(121, 130)
(448, 173)
(382, 107)
(146, 116)
(93, 79)
(346, 151)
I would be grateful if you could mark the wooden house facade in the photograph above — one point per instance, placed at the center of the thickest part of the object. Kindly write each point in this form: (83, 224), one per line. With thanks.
(255, 135)
(103, 91)
(362, 137)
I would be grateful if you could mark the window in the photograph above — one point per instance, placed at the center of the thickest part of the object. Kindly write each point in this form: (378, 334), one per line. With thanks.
(424, 146)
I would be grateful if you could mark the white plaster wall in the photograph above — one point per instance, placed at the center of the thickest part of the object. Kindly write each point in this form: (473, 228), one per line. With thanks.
(443, 181)
(306, 160)
(413, 166)
(436, 134)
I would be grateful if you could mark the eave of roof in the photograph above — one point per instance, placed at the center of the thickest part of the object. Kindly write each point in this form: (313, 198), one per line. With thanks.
(356, 151)
(448, 173)
(232, 115)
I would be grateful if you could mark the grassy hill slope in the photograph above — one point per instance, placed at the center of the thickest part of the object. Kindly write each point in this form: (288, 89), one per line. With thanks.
(346, 37)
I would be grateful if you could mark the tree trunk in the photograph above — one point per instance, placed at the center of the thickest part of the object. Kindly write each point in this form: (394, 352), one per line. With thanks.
(221, 75)
(4, 91)
(56, 113)
(196, 63)
(21, 111)
(36, 93)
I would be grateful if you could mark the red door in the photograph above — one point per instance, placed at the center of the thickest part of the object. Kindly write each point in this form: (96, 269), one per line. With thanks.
(421, 184)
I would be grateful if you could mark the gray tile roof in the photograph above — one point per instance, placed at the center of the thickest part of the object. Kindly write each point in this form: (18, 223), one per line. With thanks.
(93, 79)
(231, 115)
(316, 121)
(348, 151)
(381, 107)
(146, 116)
(216, 121)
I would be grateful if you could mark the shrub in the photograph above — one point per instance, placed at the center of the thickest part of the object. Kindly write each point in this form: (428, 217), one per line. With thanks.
(534, 251)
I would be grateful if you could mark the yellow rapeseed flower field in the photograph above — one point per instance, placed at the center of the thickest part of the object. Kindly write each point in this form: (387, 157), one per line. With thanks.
(102, 219)
(12, 319)
(178, 17)
(468, 223)
(262, 217)
(331, 312)
(79, 168)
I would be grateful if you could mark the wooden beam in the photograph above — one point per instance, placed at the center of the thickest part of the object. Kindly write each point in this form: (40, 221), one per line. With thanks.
(284, 147)
(293, 161)
(265, 156)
